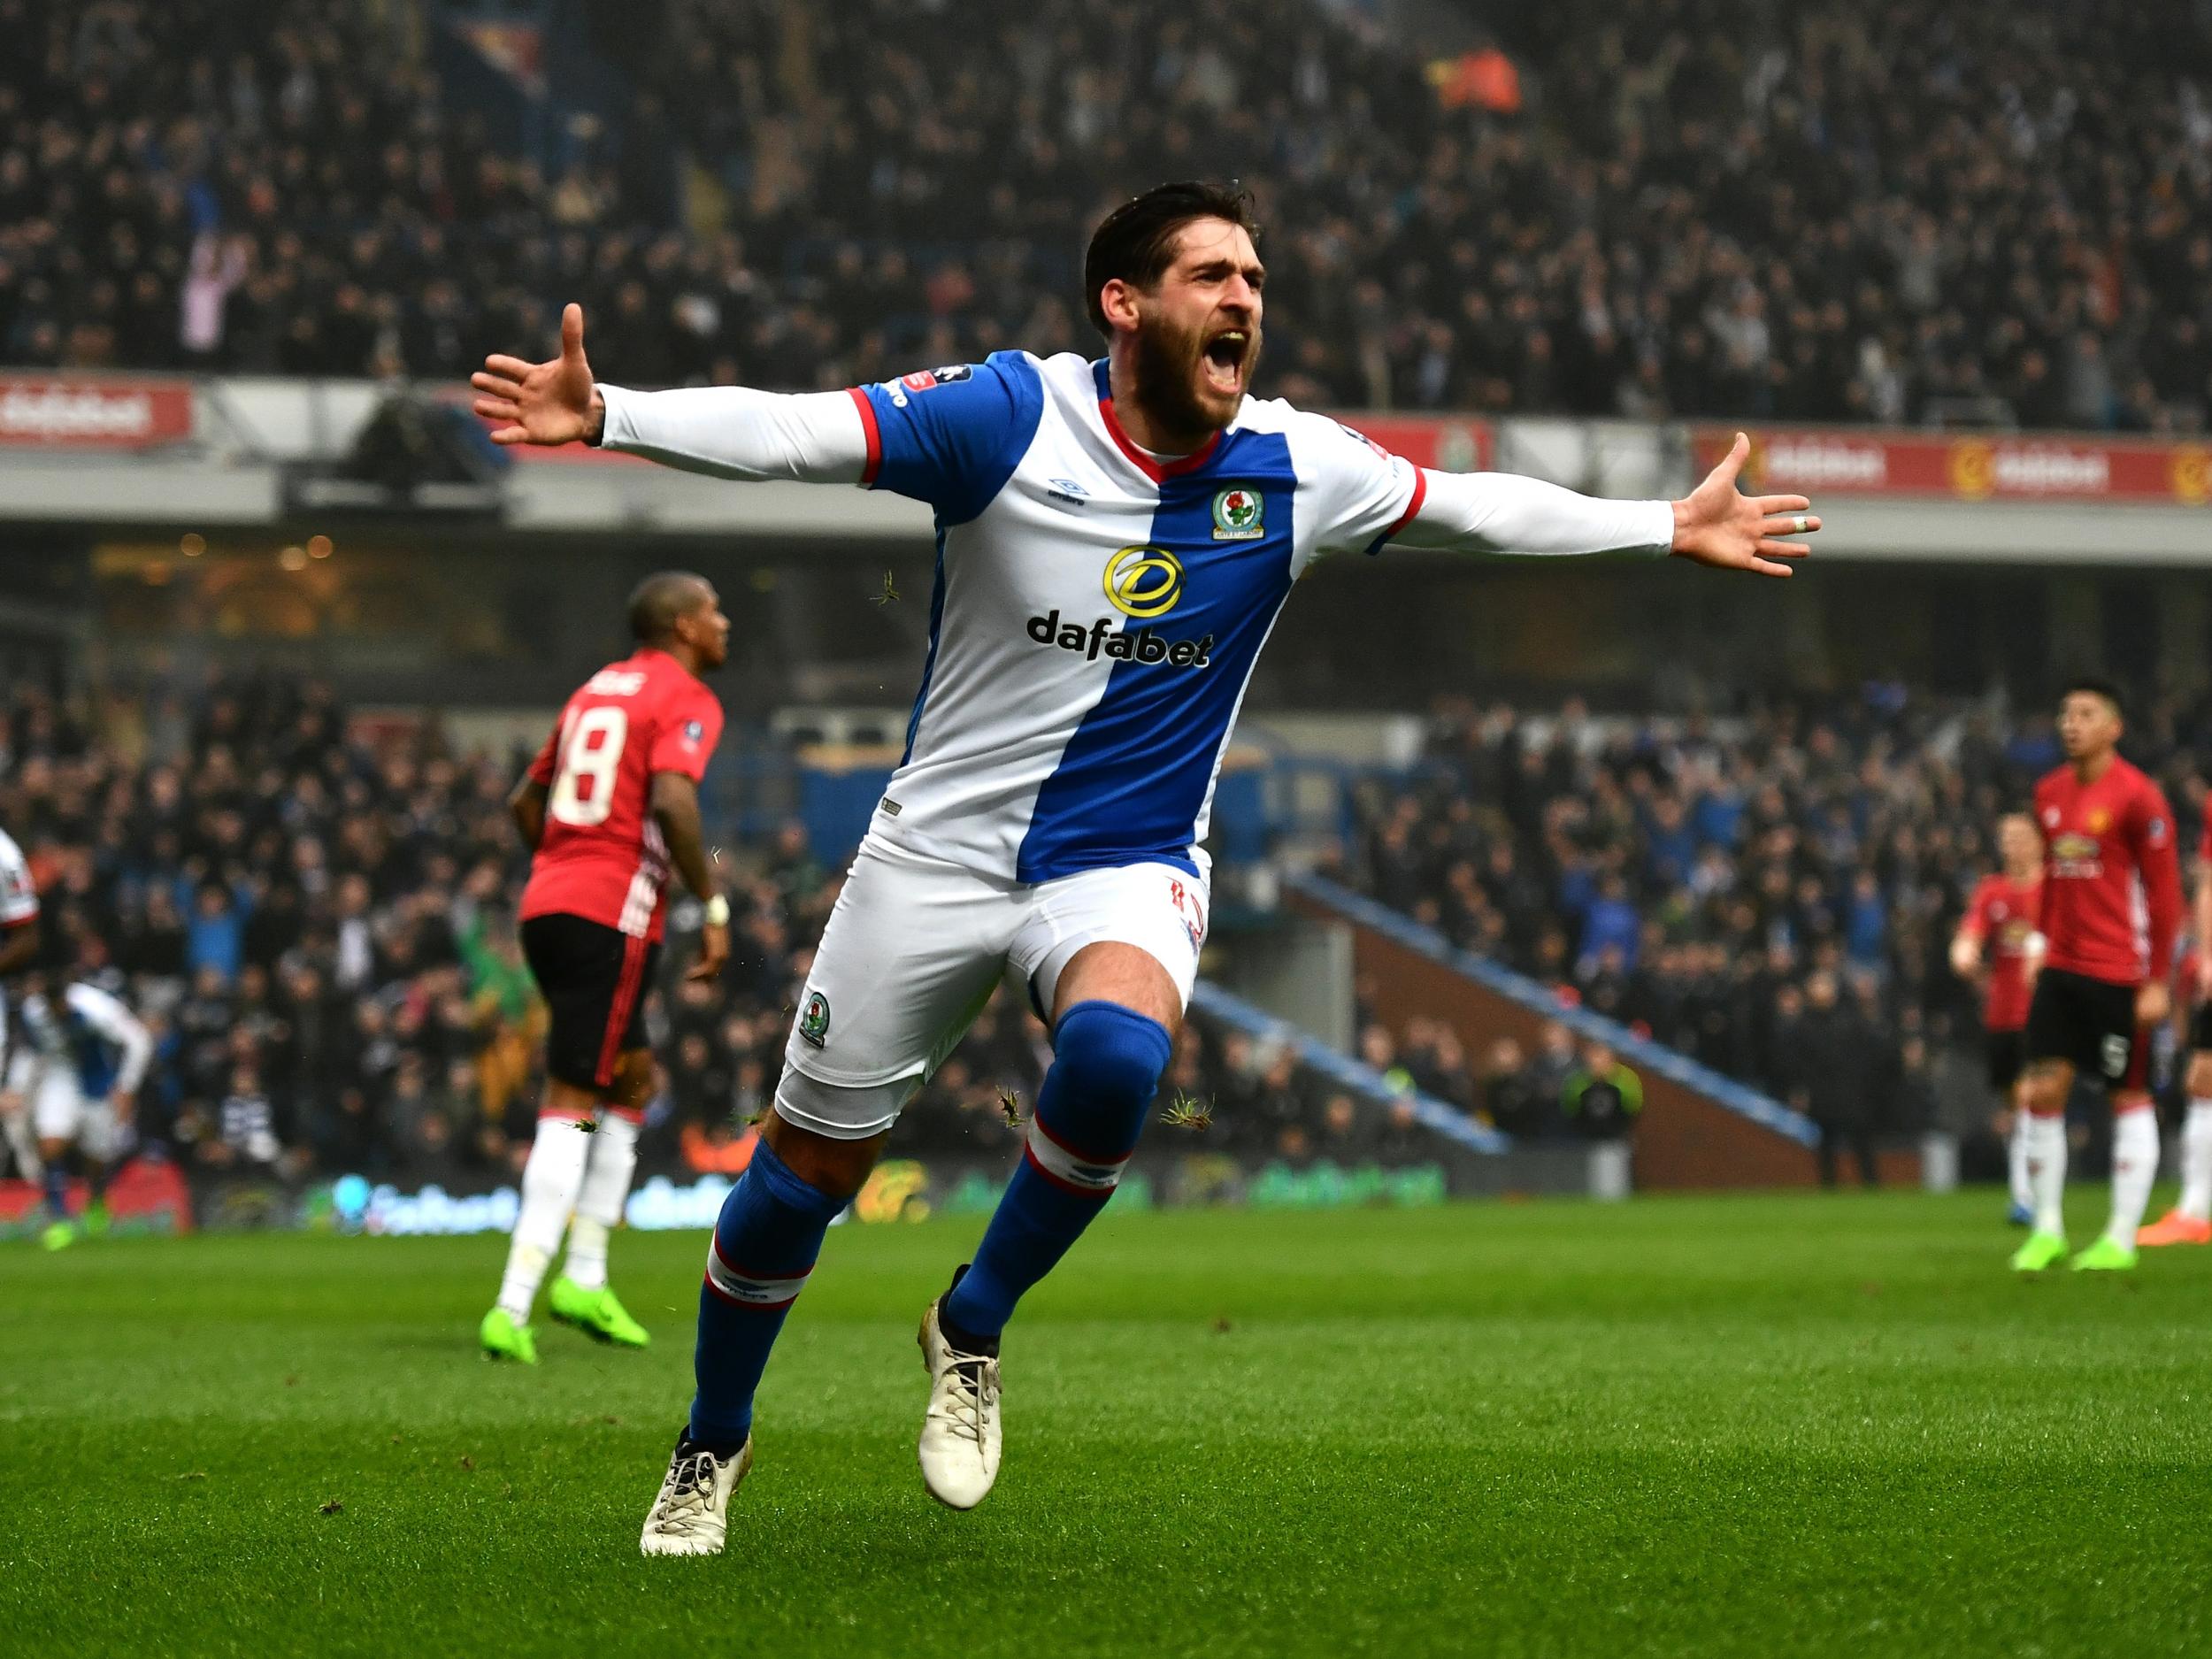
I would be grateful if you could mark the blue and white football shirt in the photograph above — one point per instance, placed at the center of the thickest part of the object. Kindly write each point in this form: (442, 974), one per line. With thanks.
(1096, 611)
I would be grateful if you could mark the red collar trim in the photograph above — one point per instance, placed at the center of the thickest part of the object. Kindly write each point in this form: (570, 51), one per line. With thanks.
(1152, 469)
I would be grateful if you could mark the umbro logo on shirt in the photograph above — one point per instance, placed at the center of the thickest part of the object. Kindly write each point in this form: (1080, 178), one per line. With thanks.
(1068, 491)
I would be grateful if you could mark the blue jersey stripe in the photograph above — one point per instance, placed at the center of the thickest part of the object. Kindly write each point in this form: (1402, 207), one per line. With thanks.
(1134, 774)
(929, 662)
(954, 444)
(954, 441)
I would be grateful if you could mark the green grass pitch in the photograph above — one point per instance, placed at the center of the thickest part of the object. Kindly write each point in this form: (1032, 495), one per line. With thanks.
(1788, 1425)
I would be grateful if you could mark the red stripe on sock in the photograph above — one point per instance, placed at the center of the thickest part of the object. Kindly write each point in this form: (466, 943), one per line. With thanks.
(738, 1301)
(1102, 1194)
(714, 1243)
(1077, 1153)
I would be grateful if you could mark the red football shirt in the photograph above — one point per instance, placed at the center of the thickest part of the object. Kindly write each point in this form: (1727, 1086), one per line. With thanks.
(2002, 916)
(2112, 880)
(602, 856)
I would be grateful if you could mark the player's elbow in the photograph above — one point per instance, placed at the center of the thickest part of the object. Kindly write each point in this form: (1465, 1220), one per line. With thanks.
(527, 807)
(674, 797)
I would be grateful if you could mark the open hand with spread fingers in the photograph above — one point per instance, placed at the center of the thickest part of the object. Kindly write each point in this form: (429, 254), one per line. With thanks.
(549, 402)
(1715, 525)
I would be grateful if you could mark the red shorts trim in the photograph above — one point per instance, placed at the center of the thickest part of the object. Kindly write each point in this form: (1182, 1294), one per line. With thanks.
(624, 1005)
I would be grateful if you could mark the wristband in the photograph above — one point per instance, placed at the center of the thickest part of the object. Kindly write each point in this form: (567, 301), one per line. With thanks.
(717, 911)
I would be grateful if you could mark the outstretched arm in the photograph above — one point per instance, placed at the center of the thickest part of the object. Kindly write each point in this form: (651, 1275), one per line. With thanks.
(1500, 512)
(730, 432)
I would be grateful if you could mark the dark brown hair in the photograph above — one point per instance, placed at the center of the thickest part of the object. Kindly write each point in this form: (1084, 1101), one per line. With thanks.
(1136, 243)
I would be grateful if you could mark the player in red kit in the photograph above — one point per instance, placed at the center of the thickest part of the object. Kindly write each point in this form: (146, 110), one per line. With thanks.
(1998, 945)
(609, 806)
(2111, 908)
(2190, 1221)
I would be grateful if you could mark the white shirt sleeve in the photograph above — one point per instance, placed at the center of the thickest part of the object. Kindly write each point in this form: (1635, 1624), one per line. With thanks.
(734, 432)
(19, 898)
(1501, 512)
(1363, 495)
(1367, 497)
(119, 1026)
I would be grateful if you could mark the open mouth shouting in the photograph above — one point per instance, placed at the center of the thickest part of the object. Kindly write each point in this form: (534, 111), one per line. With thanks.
(1225, 360)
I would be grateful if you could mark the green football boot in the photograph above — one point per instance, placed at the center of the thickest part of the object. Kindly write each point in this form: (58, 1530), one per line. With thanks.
(2105, 1256)
(60, 1235)
(596, 1313)
(503, 1338)
(2040, 1250)
(95, 1219)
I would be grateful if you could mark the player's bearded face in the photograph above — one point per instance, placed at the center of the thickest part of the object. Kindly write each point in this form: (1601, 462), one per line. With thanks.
(1198, 339)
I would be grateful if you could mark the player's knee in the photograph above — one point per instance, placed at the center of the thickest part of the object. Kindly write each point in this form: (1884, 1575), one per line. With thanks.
(804, 1186)
(838, 1168)
(2043, 1091)
(807, 1109)
(1114, 1055)
(632, 1085)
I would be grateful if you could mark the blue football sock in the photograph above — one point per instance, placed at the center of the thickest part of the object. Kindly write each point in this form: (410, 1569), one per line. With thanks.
(1106, 1068)
(56, 1190)
(765, 1244)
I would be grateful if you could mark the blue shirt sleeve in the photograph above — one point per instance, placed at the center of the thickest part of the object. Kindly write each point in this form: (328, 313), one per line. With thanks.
(952, 436)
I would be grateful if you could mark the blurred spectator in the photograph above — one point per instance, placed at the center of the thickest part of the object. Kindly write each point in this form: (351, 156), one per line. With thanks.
(1837, 1064)
(1739, 860)
(314, 925)
(1628, 208)
(1602, 1100)
(1512, 1099)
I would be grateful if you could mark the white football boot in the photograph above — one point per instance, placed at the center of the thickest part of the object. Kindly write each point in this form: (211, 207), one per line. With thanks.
(691, 1516)
(960, 1432)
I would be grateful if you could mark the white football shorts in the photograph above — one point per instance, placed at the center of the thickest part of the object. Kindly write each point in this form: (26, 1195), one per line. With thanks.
(60, 1112)
(915, 947)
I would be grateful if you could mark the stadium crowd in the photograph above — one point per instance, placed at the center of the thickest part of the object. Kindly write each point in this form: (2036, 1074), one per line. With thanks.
(1773, 895)
(1853, 210)
(315, 924)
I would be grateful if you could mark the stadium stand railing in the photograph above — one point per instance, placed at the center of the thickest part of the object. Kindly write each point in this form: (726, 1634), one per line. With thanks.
(1346, 1073)
(1647, 1056)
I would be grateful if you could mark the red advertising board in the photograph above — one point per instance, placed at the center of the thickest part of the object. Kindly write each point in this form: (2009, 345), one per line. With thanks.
(1818, 461)
(1444, 442)
(143, 1197)
(60, 412)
